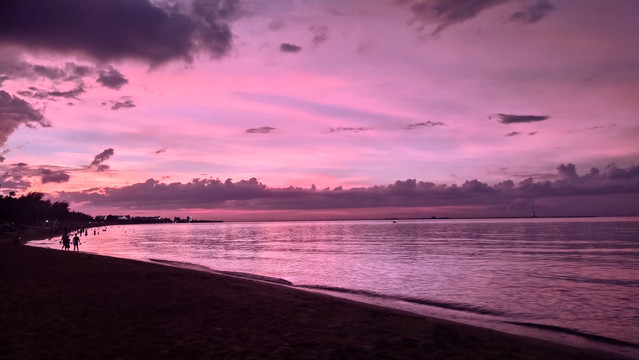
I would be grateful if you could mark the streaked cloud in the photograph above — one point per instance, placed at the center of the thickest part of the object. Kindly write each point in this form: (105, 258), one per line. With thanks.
(261, 130)
(513, 119)
(290, 48)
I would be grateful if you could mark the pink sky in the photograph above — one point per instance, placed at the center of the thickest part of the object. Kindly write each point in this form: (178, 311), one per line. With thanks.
(335, 109)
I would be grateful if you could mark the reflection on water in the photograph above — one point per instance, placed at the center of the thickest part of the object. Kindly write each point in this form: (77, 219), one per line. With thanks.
(576, 273)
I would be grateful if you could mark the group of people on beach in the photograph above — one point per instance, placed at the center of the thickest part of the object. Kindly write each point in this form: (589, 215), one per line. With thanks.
(66, 241)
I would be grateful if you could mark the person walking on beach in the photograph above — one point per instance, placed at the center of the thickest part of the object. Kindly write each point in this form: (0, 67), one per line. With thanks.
(65, 241)
(76, 243)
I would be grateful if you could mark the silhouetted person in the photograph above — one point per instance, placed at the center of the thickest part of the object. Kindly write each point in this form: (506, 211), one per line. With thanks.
(76, 243)
(65, 242)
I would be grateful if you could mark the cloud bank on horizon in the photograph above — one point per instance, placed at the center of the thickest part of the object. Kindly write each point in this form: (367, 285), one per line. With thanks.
(507, 198)
(345, 95)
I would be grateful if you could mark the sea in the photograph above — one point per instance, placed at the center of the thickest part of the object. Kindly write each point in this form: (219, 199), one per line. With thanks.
(568, 280)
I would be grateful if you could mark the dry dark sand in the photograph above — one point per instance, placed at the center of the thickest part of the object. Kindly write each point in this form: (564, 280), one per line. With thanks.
(65, 305)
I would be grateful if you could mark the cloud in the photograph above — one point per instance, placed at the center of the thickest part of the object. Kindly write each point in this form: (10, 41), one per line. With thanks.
(513, 133)
(425, 124)
(329, 111)
(100, 158)
(261, 130)
(18, 177)
(14, 112)
(13, 68)
(290, 48)
(120, 29)
(54, 176)
(511, 119)
(36, 93)
(112, 79)
(50, 72)
(320, 34)
(341, 129)
(568, 171)
(607, 126)
(13, 178)
(445, 13)
(534, 13)
(160, 151)
(122, 104)
(69, 94)
(253, 195)
(2, 153)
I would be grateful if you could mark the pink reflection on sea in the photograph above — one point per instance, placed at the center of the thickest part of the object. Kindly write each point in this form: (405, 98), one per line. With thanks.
(565, 278)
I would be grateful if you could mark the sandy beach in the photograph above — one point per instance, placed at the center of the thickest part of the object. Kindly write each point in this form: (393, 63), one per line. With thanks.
(56, 304)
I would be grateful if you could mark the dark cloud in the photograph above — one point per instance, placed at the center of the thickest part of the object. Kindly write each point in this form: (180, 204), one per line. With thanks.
(513, 133)
(50, 72)
(511, 119)
(13, 68)
(120, 29)
(160, 151)
(320, 34)
(54, 176)
(17, 177)
(444, 13)
(532, 133)
(341, 129)
(112, 79)
(69, 74)
(115, 105)
(425, 124)
(100, 158)
(252, 194)
(2, 153)
(534, 13)
(261, 130)
(568, 171)
(69, 94)
(13, 178)
(15, 112)
(290, 48)
(36, 93)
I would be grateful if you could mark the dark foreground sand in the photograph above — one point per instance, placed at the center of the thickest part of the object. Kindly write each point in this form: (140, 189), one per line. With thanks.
(65, 305)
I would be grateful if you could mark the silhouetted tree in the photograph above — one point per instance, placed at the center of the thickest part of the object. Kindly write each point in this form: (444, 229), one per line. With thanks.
(32, 209)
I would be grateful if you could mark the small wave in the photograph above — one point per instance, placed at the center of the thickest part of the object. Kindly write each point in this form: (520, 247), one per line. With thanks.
(619, 282)
(435, 303)
(187, 265)
(576, 332)
(257, 277)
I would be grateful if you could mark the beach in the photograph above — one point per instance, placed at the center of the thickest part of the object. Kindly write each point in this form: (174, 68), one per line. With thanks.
(56, 304)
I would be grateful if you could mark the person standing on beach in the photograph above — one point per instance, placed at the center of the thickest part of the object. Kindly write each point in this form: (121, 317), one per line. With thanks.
(76, 243)
(65, 241)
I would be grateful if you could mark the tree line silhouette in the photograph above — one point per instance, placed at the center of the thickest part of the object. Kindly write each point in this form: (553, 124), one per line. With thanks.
(32, 209)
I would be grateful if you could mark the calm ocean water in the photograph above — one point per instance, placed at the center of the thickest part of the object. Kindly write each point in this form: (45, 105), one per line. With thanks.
(568, 280)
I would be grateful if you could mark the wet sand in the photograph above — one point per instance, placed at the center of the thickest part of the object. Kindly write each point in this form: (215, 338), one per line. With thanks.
(56, 304)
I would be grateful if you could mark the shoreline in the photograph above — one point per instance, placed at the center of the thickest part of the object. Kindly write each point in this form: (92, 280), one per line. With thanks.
(58, 304)
(569, 337)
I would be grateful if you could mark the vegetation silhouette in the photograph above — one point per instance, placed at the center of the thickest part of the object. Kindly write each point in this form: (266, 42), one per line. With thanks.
(31, 216)
(32, 209)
